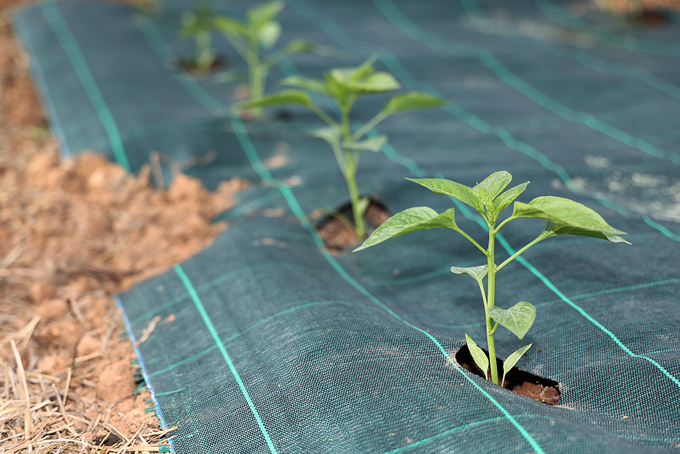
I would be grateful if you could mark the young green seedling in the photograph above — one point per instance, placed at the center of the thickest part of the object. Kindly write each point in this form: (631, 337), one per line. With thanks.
(260, 31)
(344, 86)
(562, 216)
(199, 25)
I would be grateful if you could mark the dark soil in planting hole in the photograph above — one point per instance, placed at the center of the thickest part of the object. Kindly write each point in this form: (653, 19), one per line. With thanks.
(652, 18)
(517, 380)
(338, 236)
(189, 65)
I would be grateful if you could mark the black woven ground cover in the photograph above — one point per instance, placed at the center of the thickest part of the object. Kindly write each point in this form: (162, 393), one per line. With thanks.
(279, 347)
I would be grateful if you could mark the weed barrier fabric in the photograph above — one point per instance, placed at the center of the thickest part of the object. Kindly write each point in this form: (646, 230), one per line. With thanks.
(278, 347)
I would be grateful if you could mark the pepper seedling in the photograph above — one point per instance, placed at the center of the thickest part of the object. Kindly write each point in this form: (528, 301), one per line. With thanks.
(199, 24)
(562, 216)
(261, 31)
(344, 86)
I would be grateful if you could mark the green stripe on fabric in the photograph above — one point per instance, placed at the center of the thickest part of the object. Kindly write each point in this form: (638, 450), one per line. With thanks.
(472, 120)
(267, 176)
(450, 431)
(564, 298)
(214, 282)
(263, 171)
(220, 345)
(623, 289)
(257, 164)
(474, 12)
(165, 53)
(408, 27)
(239, 334)
(545, 101)
(649, 221)
(390, 153)
(82, 71)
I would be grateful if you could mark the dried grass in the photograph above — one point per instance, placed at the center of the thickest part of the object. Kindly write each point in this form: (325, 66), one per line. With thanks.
(37, 415)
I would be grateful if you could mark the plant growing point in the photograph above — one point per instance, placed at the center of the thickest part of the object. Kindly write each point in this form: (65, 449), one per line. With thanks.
(562, 216)
(261, 31)
(344, 86)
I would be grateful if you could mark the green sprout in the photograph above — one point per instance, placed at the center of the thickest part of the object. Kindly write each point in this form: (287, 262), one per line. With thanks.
(261, 31)
(199, 25)
(562, 216)
(344, 86)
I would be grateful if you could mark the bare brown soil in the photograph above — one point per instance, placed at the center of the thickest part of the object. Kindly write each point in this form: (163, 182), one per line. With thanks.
(73, 233)
(517, 380)
(219, 63)
(336, 232)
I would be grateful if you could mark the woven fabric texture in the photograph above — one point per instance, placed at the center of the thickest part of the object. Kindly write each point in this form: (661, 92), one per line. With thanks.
(278, 346)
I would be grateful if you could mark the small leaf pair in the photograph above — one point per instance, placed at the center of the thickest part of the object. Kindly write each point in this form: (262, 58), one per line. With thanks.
(482, 361)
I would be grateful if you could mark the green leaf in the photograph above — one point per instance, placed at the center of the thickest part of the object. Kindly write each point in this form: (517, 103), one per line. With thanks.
(562, 230)
(265, 12)
(380, 82)
(414, 100)
(354, 74)
(495, 183)
(565, 213)
(330, 134)
(486, 200)
(511, 360)
(476, 272)
(517, 319)
(337, 89)
(306, 84)
(298, 46)
(410, 220)
(295, 97)
(478, 355)
(269, 33)
(452, 189)
(230, 26)
(509, 196)
(363, 70)
(374, 144)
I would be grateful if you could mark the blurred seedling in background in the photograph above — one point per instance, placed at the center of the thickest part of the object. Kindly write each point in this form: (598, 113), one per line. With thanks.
(562, 216)
(199, 25)
(344, 86)
(260, 31)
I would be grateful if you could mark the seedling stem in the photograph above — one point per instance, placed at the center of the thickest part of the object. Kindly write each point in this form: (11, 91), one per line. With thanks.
(562, 216)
